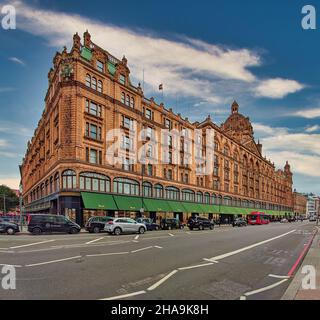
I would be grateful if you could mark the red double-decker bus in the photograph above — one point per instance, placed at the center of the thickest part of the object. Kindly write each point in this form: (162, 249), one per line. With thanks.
(258, 218)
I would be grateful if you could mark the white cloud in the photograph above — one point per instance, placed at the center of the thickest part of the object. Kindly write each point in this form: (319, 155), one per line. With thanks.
(302, 150)
(308, 113)
(13, 128)
(277, 88)
(3, 143)
(313, 128)
(17, 60)
(188, 67)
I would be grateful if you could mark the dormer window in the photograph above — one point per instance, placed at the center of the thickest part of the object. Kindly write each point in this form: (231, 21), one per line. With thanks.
(100, 66)
(122, 79)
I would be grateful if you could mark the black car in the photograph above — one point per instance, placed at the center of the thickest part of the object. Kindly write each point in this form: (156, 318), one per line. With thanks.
(200, 223)
(239, 222)
(39, 223)
(151, 226)
(170, 223)
(97, 224)
(9, 227)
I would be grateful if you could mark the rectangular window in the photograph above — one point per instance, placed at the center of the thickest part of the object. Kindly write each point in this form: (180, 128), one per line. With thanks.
(149, 132)
(127, 122)
(168, 124)
(93, 108)
(93, 131)
(127, 143)
(100, 66)
(149, 114)
(122, 79)
(93, 156)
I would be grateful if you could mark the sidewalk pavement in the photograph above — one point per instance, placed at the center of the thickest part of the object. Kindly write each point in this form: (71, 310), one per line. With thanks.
(312, 258)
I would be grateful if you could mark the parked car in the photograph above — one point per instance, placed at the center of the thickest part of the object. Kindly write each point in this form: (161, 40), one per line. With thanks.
(200, 223)
(284, 220)
(124, 225)
(9, 227)
(170, 223)
(97, 224)
(151, 226)
(312, 218)
(239, 222)
(39, 223)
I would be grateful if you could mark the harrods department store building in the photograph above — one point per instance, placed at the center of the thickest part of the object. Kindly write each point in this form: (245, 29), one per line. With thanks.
(65, 170)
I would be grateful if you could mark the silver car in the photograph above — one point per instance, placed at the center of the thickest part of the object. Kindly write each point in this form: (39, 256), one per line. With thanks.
(124, 225)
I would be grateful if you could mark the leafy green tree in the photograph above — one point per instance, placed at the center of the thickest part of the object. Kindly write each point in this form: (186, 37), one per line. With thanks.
(11, 199)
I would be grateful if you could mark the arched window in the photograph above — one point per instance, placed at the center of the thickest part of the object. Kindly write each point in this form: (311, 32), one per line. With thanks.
(226, 150)
(126, 186)
(199, 197)
(245, 203)
(51, 185)
(227, 201)
(94, 182)
(88, 80)
(172, 193)
(47, 188)
(187, 195)
(158, 191)
(57, 182)
(69, 179)
(147, 189)
(42, 194)
(214, 199)
(100, 86)
(132, 103)
(207, 198)
(128, 100)
(123, 97)
(94, 83)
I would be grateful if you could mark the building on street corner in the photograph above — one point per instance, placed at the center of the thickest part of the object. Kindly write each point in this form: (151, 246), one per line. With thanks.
(300, 204)
(70, 167)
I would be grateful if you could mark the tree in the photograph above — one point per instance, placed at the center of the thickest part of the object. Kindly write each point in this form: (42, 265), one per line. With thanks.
(11, 199)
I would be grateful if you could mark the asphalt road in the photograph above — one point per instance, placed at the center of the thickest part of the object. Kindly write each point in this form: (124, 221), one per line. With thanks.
(226, 263)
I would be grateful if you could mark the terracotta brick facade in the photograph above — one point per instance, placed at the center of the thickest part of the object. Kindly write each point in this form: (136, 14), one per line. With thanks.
(71, 136)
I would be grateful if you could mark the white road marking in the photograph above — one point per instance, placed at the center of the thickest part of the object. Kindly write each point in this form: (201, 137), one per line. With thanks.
(171, 235)
(53, 261)
(31, 244)
(278, 277)
(142, 249)
(125, 295)
(265, 288)
(157, 284)
(213, 261)
(135, 241)
(12, 265)
(136, 237)
(222, 256)
(95, 240)
(158, 247)
(106, 254)
(243, 298)
(197, 266)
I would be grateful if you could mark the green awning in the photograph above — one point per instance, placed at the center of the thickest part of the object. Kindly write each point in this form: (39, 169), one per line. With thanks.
(98, 201)
(156, 205)
(208, 208)
(176, 206)
(193, 207)
(86, 53)
(127, 203)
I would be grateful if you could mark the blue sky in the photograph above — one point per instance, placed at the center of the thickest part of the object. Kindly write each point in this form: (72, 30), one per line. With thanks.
(206, 53)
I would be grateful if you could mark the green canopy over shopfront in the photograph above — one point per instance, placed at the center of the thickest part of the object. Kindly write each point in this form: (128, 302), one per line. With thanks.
(176, 206)
(153, 205)
(125, 203)
(193, 207)
(98, 201)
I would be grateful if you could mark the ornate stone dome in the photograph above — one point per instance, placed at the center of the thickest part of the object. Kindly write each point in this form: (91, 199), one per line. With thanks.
(238, 126)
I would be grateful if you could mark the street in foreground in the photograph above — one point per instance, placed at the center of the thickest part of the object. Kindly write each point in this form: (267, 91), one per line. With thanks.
(226, 263)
